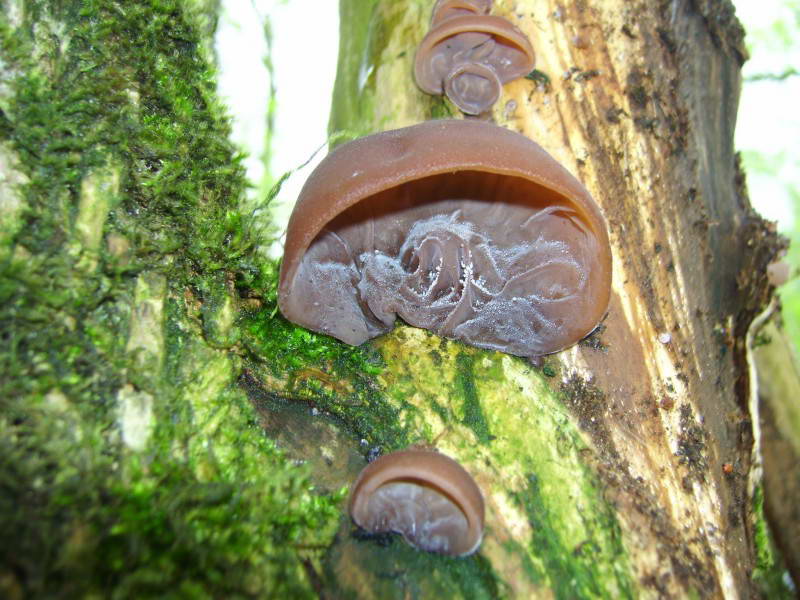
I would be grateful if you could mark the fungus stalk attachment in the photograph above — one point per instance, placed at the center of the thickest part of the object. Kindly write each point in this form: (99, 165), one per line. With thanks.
(469, 55)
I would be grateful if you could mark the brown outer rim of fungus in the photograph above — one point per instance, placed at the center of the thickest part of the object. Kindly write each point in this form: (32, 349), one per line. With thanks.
(346, 176)
(496, 26)
(479, 7)
(428, 466)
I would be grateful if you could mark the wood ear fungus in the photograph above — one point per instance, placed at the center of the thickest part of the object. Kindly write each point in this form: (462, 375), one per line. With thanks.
(425, 496)
(460, 227)
(463, 39)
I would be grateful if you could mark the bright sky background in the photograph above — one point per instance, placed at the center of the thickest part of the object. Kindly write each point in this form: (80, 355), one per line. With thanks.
(304, 55)
(769, 119)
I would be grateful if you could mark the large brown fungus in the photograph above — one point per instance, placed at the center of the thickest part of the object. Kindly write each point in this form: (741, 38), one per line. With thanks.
(470, 55)
(461, 227)
(426, 496)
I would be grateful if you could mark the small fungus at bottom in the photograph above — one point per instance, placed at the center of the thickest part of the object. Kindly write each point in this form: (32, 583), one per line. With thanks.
(425, 496)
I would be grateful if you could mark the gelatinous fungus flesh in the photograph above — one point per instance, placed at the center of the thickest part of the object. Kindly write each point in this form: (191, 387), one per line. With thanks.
(425, 496)
(460, 227)
(469, 55)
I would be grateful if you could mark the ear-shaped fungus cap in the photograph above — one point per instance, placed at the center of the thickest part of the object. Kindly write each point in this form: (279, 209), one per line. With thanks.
(426, 496)
(486, 40)
(461, 227)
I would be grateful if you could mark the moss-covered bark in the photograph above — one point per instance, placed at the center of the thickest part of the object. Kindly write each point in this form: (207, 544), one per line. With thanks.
(131, 463)
(155, 408)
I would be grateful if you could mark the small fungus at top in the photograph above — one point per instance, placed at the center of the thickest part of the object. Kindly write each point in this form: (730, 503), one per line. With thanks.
(469, 55)
(425, 496)
(447, 9)
(460, 227)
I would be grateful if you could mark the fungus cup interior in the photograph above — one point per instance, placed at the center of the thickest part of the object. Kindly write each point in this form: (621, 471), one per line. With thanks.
(460, 227)
(473, 87)
(423, 495)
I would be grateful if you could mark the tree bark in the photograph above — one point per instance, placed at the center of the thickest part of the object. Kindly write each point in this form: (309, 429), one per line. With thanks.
(629, 464)
(154, 406)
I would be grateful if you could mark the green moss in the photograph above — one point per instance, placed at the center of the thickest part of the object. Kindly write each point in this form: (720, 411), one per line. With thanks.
(158, 116)
(592, 568)
(149, 530)
(337, 378)
(131, 463)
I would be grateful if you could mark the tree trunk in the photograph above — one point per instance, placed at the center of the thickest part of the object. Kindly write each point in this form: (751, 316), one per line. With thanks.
(628, 464)
(143, 360)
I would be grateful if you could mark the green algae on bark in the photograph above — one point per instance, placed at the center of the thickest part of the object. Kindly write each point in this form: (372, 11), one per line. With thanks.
(549, 527)
(546, 513)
